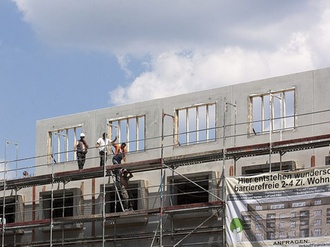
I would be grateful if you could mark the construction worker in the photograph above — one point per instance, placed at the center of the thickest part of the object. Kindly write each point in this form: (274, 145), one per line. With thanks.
(126, 194)
(119, 155)
(119, 152)
(103, 144)
(81, 147)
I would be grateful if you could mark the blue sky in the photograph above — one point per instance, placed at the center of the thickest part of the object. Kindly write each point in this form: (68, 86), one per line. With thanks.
(67, 56)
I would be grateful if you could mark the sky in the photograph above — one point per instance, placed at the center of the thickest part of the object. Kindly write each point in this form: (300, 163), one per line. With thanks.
(68, 56)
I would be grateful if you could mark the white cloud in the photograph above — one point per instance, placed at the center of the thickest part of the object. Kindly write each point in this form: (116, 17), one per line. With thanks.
(303, 49)
(320, 38)
(146, 26)
(123, 61)
(191, 44)
(175, 73)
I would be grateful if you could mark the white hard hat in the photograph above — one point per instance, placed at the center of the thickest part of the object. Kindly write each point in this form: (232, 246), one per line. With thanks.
(82, 135)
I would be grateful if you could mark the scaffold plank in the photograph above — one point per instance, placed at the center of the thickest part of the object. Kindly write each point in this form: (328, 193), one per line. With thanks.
(181, 160)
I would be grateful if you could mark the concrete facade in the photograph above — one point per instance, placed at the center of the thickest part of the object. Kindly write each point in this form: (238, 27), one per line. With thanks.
(311, 91)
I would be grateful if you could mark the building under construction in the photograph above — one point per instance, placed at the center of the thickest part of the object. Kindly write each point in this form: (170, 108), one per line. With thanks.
(179, 150)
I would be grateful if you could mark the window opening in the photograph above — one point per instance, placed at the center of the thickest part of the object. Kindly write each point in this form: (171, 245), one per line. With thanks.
(292, 234)
(130, 130)
(270, 235)
(66, 203)
(262, 168)
(113, 203)
(275, 108)
(247, 222)
(317, 222)
(61, 143)
(318, 213)
(186, 192)
(317, 232)
(9, 210)
(195, 124)
(62, 207)
(259, 237)
(304, 233)
(138, 198)
(258, 227)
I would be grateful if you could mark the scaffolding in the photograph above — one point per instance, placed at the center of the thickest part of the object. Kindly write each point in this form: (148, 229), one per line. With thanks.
(11, 231)
(164, 217)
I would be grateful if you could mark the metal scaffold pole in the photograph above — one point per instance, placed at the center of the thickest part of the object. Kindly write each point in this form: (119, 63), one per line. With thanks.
(63, 213)
(162, 180)
(115, 183)
(3, 221)
(52, 208)
(224, 165)
(104, 191)
(223, 171)
(270, 131)
(103, 200)
(161, 184)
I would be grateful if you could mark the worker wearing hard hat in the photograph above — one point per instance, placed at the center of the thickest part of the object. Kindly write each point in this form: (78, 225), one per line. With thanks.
(81, 147)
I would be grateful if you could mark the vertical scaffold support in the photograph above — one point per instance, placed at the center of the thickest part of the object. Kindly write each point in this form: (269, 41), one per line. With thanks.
(223, 170)
(3, 220)
(103, 196)
(162, 180)
(63, 212)
(224, 164)
(52, 207)
(161, 184)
